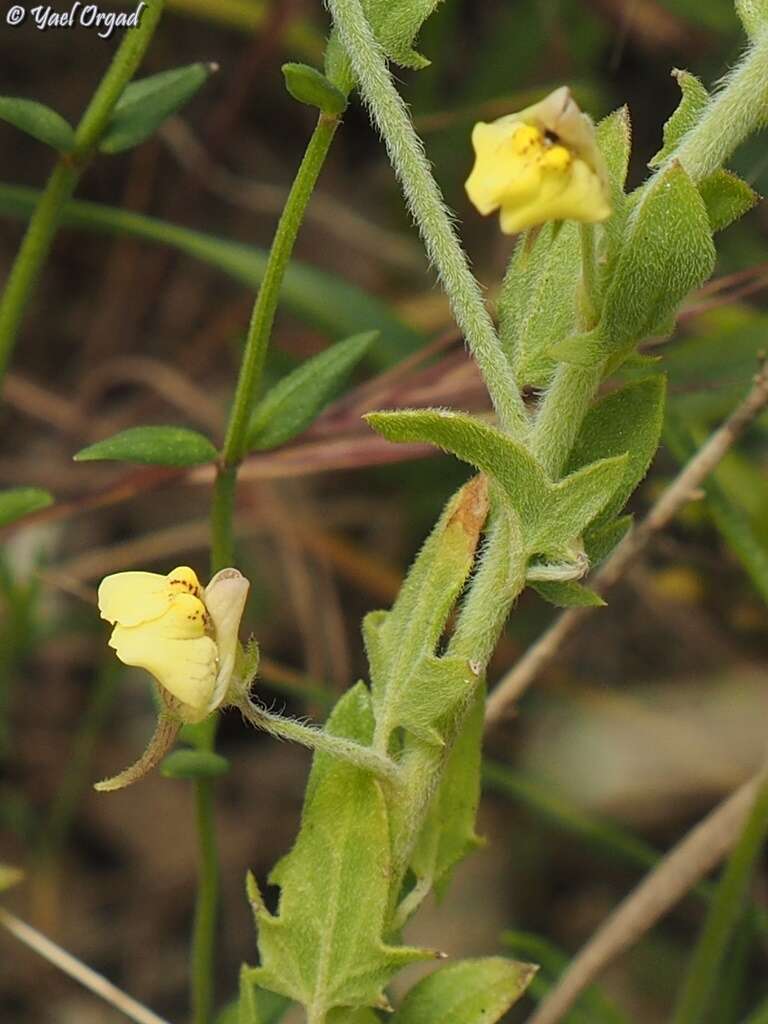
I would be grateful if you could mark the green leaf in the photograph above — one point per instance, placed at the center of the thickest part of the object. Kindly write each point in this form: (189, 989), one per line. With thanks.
(39, 121)
(614, 137)
(469, 992)
(319, 299)
(726, 198)
(753, 15)
(412, 687)
(17, 502)
(292, 404)
(194, 764)
(667, 251)
(629, 420)
(550, 515)
(599, 541)
(694, 99)
(146, 103)
(539, 301)
(448, 834)
(310, 86)
(154, 446)
(256, 1005)
(396, 24)
(567, 594)
(309, 951)
(9, 876)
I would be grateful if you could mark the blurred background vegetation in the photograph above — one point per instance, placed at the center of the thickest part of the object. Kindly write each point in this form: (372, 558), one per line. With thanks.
(657, 707)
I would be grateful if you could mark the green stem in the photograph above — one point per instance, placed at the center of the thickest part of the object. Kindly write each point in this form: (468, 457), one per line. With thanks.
(732, 114)
(317, 739)
(265, 307)
(203, 939)
(562, 413)
(222, 519)
(425, 202)
(42, 227)
(702, 977)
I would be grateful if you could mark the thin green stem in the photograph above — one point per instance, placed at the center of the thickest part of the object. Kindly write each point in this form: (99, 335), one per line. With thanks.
(41, 230)
(265, 307)
(726, 910)
(222, 519)
(425, 202)
(203, 939)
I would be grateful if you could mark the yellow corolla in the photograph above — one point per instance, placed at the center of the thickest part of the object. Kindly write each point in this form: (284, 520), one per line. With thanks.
(186, 637)
(539, 165)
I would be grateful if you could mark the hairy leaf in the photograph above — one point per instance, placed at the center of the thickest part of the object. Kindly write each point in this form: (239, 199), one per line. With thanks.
(614, 137)
(567, 594)
(156, 446)
(469, 992)
(412, 687)
(550, 515)
(309, 951)
(726, 198)
(629, 420)
(17, 502)
(448, 834)
(692, 103)
(39, 121)
(293, 403)
(146, 103)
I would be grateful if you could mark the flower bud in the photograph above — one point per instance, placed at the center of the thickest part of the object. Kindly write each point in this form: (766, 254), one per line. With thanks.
(539, 165)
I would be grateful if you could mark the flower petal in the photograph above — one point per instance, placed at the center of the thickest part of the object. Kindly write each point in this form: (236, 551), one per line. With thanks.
(133, 597)
(225, 598)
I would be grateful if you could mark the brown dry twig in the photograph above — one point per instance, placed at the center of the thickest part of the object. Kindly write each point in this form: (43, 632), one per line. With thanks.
(702, 849)
(684, 487)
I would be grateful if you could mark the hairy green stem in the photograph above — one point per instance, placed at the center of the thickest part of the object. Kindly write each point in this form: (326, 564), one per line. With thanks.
(562, 413)
(733, 113)
(428, 209)
(265, 307)
(42, 227)
(204, 932)
(317, 739)
(726, 910)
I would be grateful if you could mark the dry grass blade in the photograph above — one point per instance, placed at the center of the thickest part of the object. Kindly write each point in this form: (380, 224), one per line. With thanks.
(684, 487)
(76, 969)
(695, 856)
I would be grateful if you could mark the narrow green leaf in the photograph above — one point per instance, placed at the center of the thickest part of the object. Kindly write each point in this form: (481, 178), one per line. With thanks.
(292, 404)
(693, 101)
(146, 103)
(614, 137)
(726, 198)
(629, 420)
(39, 121)
(412, 687)
(667, 251)
(448, 834)
(310, 86)
(310, 952)
(469, 992)
(18, 502)
(321, 300)
(194, 764)
(155, 446)
(567, 594)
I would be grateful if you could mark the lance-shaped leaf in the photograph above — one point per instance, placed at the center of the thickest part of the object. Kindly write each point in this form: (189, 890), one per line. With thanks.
(411, 686)
(567, 594)
(629, 420)
(469, 992)
(310, 951)
(17, 502)
(308, 85)
(39, 121)
(146, 103)
(154, 446)
(295, 401)
(551, 515)
(692, 103)
(614, 137)
(666, 251)
(448, 835)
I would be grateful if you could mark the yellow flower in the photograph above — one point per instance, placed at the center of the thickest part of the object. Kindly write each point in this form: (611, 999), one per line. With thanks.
(539, 165)
(186, 637)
